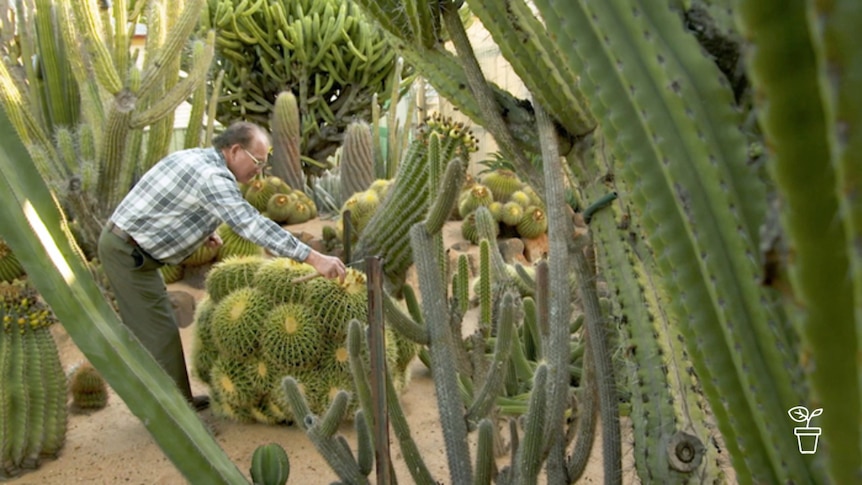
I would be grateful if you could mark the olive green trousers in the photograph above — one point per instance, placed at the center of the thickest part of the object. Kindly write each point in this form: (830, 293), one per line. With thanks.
(144, 304)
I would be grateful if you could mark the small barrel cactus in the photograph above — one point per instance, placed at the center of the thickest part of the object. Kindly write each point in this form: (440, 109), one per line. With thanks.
(89, 390)
(269, 465)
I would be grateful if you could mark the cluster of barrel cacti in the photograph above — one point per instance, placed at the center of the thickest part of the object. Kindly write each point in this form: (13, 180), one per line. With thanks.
(264, 319)
(277, 200)
(33, 390)
(514, 205)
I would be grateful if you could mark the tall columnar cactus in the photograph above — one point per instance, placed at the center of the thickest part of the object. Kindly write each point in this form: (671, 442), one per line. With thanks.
(33, 394)
(665, 397)
(408, 201)
(286, 139)
(357, 159)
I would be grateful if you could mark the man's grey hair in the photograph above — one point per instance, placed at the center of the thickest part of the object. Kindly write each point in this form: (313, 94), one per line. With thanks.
(239, 132)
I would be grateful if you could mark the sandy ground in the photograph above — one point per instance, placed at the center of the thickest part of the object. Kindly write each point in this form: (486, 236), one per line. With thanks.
(111, 446)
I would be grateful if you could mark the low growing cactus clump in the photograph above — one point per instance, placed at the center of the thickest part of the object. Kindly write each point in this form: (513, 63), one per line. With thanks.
(264, 320)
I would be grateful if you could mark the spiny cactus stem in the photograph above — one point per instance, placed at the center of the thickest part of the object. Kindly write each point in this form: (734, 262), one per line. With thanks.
(528, 279)
(334, 414)
(172, 46)
(402, 323)
(449, 401)
(484, 287)
(497, 370)
(364, 443)
(446, 195)
(560, 229)
(344, 466)
(412, 456)
(103, 66)
(485, 98)
(212, 104)
(358, 370)
(599, 348)
(523, 371)
(202, 55)
(576, 463)
(392, 145)
(531, 328)
(542, 295)
(485, 453)
(526, 468)
(486, 227)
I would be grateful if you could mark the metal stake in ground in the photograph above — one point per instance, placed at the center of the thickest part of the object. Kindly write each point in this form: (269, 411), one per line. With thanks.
(377, 351)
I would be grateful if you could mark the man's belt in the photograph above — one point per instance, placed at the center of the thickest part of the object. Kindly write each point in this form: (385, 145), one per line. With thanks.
(122, 234)
(129, 240)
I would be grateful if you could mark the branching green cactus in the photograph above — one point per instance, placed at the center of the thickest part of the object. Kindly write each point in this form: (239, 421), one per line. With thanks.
(325, 52)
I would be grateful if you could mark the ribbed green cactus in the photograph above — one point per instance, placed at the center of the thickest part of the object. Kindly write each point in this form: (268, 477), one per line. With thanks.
(269, 465)
(10, 267)
(665, 398)
(33, 394)
(88, 389)
(286, 139)
(357, 159)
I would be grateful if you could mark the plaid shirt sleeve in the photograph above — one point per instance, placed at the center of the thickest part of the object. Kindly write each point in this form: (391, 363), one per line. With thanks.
(225, 202)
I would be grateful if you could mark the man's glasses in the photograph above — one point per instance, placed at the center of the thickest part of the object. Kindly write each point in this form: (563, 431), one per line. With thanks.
(257, 163)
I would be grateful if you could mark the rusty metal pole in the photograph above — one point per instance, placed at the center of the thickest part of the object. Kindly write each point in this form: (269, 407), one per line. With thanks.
(377, 350)
(347, 236)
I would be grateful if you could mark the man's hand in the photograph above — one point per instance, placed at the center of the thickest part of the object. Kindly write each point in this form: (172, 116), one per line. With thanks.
(328, 266)
(213, 242)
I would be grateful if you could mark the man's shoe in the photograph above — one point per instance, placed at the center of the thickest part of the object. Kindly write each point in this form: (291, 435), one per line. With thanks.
(200, 403)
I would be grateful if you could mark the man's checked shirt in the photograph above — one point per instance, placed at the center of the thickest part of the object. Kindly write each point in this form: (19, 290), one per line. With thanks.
(180, 202)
